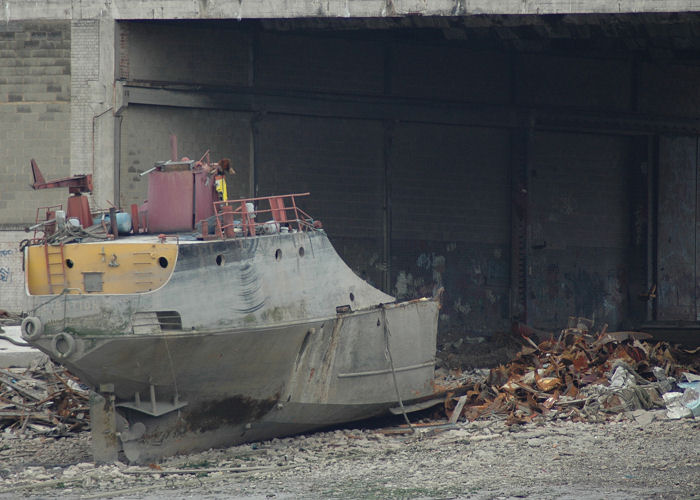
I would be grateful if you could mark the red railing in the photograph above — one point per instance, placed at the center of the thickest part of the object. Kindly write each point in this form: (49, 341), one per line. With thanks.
(263, 215)
(45, 222)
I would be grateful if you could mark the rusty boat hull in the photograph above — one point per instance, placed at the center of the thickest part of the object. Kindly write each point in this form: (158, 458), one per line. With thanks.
(238, 340)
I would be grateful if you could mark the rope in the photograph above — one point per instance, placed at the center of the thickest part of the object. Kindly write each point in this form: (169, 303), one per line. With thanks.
(393, 371)
(55, 297)
(167, 349)
(69, 233)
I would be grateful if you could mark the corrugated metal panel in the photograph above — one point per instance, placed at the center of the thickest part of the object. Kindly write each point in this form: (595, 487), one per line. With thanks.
(450, 184)
(580, 229)
(340, 162)
(677, 236)
(451, 222)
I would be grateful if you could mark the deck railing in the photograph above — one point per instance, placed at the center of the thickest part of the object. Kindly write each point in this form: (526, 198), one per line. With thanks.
(262, 215)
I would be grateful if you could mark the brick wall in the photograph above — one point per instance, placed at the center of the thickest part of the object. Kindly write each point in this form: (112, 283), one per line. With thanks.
(34, 114)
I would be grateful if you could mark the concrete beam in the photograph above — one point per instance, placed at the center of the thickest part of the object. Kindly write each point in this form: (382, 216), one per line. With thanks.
(384, 108)
(11, 10)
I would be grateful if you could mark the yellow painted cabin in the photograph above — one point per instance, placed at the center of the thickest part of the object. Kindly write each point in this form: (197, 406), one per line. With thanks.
(110, 267)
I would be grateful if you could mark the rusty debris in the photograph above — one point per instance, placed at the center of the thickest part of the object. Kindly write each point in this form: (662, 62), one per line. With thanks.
(576, 374)
(43, 400)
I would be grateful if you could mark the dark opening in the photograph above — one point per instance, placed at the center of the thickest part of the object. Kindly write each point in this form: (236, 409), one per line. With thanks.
(169, 320)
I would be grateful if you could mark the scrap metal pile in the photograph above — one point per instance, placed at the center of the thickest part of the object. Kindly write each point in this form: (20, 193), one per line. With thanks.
(583, 376)
(43, 400)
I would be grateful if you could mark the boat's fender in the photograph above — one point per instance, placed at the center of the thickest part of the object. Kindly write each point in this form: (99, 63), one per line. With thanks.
(63, 345)
(31, 328)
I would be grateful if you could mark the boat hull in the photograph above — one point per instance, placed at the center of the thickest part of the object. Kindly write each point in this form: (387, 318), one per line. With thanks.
(192, 391)
(245, 340)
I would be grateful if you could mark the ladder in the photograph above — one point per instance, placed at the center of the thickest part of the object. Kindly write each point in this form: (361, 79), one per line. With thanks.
(55, 267)
(143, 277)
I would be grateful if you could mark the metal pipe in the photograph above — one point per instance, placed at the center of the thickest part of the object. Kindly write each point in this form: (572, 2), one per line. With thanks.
(173, 147)
(113, 222)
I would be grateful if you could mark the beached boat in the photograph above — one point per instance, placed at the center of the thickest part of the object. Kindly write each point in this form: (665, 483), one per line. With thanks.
(225, 322)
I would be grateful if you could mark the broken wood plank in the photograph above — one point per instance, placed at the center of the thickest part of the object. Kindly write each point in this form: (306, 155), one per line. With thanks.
(35, 395)
(458, 410)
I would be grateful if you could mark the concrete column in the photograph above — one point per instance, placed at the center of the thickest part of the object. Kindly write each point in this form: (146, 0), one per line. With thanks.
(92, 114)
(105, 446)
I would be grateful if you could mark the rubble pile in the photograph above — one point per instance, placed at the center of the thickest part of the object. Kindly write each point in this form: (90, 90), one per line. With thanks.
(8, 318)
(42, 400)
(584, 377)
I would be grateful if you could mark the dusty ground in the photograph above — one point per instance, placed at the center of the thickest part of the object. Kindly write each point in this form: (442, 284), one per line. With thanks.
(484, 459)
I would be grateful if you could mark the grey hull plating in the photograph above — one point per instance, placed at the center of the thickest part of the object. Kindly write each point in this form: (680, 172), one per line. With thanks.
(258, 349)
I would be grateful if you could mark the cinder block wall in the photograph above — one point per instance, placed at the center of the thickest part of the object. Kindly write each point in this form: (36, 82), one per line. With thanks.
(34, 123)
(12, 296)
(34, 114)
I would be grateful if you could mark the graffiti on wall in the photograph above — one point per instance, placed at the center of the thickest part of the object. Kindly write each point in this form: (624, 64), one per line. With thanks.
(5, 273)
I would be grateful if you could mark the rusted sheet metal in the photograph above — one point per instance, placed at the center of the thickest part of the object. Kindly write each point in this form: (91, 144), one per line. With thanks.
(577, 374)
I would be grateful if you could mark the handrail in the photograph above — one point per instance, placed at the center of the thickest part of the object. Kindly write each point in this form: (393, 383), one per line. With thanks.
(235, 219)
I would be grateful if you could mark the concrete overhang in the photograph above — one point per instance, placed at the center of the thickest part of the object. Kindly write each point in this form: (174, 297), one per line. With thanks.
(12, 10)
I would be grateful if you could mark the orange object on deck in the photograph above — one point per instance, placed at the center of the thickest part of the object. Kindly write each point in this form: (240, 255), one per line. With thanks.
(79, 208)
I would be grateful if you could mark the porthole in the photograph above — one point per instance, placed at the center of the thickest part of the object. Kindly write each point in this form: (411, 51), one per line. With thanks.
(163, 262)
(69, 264)
(219, 260)
(278, 254)
(352, 297)
(301, 251)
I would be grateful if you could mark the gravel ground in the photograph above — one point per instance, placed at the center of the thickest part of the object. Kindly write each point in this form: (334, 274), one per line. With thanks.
(484, 459)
